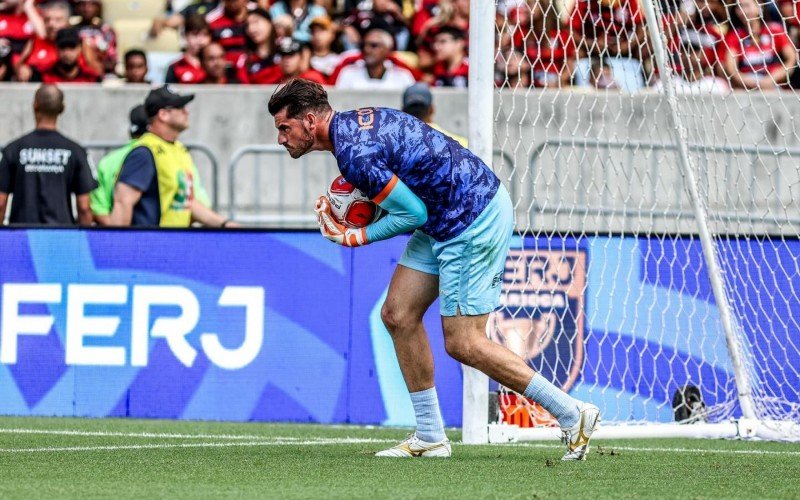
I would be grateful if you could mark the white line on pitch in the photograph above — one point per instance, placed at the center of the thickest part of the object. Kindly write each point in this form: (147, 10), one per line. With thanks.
(669, 450)
(160, 435)
(315, 442)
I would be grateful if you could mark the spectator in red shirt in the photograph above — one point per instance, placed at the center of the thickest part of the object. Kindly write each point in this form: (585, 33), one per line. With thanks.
(19, 22)
(292, 63)
(431, 19)
(259, 65)
(228, 24)
(615, 31)
(41, 52)
(451, 68)
(550, 50)
(701, 23)
(763, 52)
(188, 69)
(212, 57)
(71, 66)
(135, 66)
(100, 35)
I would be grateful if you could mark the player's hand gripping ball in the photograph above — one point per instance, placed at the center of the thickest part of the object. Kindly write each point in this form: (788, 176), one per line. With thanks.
(333, 230)
(350, 206)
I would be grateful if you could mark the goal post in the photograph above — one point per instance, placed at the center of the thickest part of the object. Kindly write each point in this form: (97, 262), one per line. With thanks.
(656, 270)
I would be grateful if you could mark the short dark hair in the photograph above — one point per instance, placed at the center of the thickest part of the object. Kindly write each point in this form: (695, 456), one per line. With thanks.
(457, 34)
(299, 96)
(196, 23)
(134, 53)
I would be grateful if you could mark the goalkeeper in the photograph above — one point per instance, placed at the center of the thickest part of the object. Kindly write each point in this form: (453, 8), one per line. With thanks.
(463, 221)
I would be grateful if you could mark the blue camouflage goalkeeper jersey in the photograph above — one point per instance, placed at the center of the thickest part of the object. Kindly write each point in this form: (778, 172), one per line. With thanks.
(373, 144)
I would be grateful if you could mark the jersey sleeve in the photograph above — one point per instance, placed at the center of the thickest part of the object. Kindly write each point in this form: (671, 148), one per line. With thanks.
(364, 166)
(83, 180)
(138, 169)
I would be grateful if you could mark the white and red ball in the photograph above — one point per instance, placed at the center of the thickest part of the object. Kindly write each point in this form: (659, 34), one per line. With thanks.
(350, 206)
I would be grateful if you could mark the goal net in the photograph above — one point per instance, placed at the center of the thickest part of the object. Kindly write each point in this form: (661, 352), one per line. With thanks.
(653, 157)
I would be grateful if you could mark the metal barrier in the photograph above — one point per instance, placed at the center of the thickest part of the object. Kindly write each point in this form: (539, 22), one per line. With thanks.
(101, 148)
(633, 149)
(283, 194)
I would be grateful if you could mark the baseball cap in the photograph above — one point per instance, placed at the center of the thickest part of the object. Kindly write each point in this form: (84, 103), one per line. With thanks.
(67, 37)
(323, 22)
(418, 94)
(138, 119)
(165, 97)
(288, 46)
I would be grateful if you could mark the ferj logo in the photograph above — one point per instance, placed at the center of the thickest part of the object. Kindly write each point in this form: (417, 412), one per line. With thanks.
(542, 319)
(83, 331)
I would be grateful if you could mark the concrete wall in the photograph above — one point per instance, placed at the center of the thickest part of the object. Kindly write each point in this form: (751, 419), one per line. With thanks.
(569, 185)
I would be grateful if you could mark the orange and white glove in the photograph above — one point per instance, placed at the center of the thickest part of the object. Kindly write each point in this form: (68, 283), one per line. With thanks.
(334, 231)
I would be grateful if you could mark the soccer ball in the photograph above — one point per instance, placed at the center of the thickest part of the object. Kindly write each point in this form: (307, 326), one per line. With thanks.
(350, 206)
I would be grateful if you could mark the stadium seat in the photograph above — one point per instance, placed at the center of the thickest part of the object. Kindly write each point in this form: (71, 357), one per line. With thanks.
(118, 10)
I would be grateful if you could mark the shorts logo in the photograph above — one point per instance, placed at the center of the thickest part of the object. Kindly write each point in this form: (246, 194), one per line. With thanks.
(542, 313)
(497, 279)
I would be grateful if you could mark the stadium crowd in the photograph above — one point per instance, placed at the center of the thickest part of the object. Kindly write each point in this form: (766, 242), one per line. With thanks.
(390, 44)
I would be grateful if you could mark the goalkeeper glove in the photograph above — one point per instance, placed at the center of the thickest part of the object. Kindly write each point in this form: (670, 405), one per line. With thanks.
(334, 231)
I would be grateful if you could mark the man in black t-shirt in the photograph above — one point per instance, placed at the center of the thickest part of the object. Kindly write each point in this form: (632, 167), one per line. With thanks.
(43, 169)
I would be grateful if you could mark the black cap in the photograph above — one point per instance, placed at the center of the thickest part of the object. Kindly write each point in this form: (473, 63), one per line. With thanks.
(165, 97)
(288, 46)
(418, 94)
(68, 37)
(139, 119)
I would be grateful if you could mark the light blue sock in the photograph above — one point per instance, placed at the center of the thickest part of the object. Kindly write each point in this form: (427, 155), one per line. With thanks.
(560, 404)
(430, 427)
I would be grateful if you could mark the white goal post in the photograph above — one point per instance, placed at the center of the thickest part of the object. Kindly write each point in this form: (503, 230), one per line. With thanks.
(657, 268)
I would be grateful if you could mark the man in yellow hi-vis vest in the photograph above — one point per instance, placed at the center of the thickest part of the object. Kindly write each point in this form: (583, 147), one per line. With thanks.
(157, 183)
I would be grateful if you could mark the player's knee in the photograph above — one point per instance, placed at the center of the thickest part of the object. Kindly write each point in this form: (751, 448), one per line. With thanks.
(462, 350)
(391, 317)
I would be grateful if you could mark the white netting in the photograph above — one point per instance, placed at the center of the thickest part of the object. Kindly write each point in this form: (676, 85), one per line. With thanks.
(607, 291)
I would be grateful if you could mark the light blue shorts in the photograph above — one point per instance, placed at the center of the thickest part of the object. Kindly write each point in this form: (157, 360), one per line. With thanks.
(470, 266)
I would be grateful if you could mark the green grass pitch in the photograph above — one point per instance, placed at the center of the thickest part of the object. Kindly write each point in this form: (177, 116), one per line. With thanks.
(82, 458)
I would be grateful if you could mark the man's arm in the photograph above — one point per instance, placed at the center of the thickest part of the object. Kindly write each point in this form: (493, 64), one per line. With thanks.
(3, 203)
(208, 217)
(84, 210)
(405, 212)
(137, 174)
(125, 198)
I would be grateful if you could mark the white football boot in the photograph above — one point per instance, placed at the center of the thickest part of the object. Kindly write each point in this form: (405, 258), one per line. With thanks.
(577, 437)
(413, 447)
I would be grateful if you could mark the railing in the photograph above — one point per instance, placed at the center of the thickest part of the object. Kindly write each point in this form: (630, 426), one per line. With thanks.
(631, 151)
(281, 191)
(103, 147)
(98, 149)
